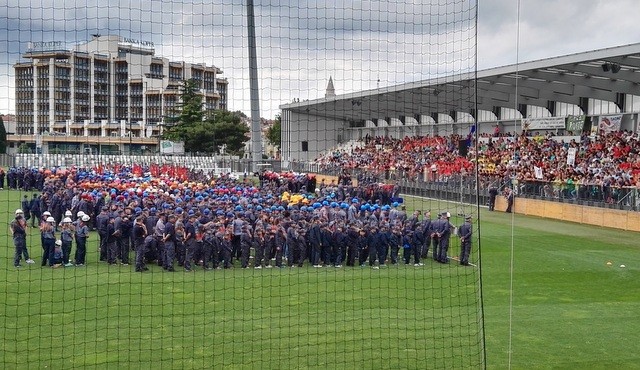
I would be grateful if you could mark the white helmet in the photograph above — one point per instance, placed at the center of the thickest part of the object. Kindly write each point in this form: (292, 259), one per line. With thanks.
(68, 213)
(19, 211)
(66, 220)
(58, 242)
(51, 219)
(85, 218)
(80, 214)
(46, 213)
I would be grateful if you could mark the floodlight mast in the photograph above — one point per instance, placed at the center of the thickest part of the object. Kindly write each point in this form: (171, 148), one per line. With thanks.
(256, 142)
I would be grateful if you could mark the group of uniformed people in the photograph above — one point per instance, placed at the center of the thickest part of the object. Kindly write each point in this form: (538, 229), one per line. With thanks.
(56, 239)
(231, 220)
(22, 178)
(323, 236)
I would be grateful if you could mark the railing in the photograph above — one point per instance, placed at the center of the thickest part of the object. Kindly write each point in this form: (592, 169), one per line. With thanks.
(191, 161)
(458, 187)
(6, 160)
(622, 197)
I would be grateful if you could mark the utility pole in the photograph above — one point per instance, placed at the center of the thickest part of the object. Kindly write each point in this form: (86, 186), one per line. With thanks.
(256, 141)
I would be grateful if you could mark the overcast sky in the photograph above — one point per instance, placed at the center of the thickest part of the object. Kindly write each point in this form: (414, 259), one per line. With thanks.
(361, 44)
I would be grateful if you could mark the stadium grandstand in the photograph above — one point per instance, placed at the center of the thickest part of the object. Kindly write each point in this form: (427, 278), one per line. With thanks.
(560, 128)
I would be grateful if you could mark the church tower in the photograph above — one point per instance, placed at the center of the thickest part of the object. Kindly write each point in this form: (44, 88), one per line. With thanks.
(331, 91)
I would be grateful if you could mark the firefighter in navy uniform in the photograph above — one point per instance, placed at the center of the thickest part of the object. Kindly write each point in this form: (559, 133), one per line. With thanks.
(465, 232)
(19, 232)
(445, 231)
(245, 246)
(169, 243)
(139, 236)
(102, 220)
(190, 242)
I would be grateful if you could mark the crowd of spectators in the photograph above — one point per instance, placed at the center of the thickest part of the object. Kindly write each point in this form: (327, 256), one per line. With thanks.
(406, 158)
(611, 160)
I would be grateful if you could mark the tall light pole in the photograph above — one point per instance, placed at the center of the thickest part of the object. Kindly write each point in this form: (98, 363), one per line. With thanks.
(256, 142)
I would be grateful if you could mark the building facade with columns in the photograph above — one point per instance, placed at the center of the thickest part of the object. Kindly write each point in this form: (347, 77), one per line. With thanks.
(108, 95)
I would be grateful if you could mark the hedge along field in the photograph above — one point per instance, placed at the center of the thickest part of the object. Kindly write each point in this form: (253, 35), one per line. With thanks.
(570, 309)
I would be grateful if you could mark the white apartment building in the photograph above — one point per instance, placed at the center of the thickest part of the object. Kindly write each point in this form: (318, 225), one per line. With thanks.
(108, 95)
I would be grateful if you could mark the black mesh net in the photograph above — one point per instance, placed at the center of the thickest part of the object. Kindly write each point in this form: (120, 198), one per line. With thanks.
(231, 184)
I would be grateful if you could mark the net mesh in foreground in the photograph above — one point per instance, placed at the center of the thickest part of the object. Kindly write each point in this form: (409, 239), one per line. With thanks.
(336, 250)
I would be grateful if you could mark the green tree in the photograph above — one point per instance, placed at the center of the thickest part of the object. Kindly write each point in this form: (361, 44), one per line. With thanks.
(3, 137)
(274, 133)
(229, 130)
(24, 148)
(185, 123)
(203, 131)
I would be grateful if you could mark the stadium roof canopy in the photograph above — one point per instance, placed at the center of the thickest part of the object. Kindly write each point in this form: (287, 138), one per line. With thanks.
(606, 74)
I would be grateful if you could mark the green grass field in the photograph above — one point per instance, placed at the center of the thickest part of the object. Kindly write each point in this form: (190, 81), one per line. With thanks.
(570, 309)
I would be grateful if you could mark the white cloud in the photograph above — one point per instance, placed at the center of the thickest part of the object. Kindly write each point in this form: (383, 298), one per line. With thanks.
(303, 42)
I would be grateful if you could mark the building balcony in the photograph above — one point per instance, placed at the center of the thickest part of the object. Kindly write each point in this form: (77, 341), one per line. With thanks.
(156, 76)
(212, 94)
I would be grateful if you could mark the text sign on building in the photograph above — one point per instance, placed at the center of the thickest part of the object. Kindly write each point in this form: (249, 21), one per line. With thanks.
(171, 147)
(133, 42)
(546, 123)
(45, 45)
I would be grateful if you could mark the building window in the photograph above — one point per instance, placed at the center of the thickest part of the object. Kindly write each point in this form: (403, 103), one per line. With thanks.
(305, 146)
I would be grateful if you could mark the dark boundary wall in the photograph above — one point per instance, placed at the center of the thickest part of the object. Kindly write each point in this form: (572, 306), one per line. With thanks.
(626, 218)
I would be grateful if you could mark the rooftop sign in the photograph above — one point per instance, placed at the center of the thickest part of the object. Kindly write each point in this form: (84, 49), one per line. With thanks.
(45, 46)
(144, 44)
